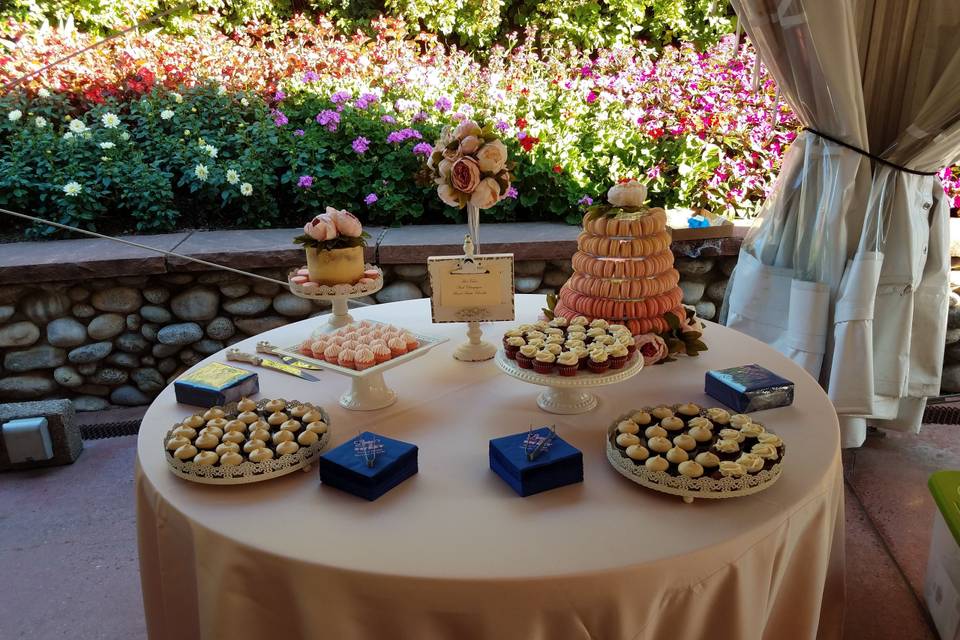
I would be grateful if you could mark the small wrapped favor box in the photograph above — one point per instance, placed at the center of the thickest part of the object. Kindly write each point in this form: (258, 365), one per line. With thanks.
(346, 466)
(557, 465)
(216, 384)
(749, 388)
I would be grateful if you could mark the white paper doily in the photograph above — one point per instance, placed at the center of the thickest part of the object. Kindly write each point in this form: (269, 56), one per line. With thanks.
(248, 471)
(325, 292)
(687, 488)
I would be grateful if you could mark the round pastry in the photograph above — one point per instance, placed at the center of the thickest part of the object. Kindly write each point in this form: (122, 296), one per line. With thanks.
(236, 425)
(637, 452)
(770, 438)
(230, 459)
(655, 431)
(219, 423)
(299, 411)
(685, 442)
(260, 434)
(248, 417)
(312, 416)
(765, 451)
(227, 447)
(662, 412)
(275, 406)
(688, 410)
(672, 423)
(627, 439)
(700, 422)
(656, 463)
(690, 469)
(214, 431)
(628, 426)
(283, 436)
(307, 438)
(291, 425)
(261, 455)
(659, 444)
(186, 452)
(253, 445)
(233, 436)
(206, 458)
(731, 434)
(213, 414)
(729, 469)
(319, 427)
(175, 442)
(677, 455)
(707, 460)
(277, 418)
(751, 462)
(185, 432)
(718, 415)
(726, 446)
(287, 447)
(246, 404)
(641, 418)
(700, 434)
(206, 441)
(194, 421)
(739, 419)
(260, 424)
(752, 430)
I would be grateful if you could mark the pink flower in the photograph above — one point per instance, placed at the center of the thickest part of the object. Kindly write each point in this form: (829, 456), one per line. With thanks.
(360, 145)
(652, 347)
(321, 228)
(346, 224)
(693, 324)
(370, 199)
(591, 97)
(511, 193)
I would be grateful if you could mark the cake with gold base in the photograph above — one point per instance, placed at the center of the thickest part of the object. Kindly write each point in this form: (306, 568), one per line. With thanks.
(334, 243)
(623, 269)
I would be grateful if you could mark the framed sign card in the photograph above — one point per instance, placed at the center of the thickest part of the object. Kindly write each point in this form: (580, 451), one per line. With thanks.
(475, 288)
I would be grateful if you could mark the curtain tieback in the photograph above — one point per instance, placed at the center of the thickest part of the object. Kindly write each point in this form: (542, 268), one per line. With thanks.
(872, 156)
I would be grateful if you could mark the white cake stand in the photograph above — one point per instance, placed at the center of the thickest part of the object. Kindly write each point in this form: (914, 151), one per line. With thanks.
(568, 395)
(338, 295)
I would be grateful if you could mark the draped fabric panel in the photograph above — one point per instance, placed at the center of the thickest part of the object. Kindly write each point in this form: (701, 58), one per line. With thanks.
(847, 271)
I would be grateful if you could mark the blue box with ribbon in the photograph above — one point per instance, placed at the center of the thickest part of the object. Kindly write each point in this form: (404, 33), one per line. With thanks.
(369, 465)
(536, 460)
(749, 388)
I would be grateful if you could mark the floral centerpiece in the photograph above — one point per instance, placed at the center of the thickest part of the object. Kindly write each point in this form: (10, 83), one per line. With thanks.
(334, 243)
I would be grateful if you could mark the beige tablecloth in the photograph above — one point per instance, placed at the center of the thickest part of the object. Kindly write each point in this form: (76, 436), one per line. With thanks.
(454, 553)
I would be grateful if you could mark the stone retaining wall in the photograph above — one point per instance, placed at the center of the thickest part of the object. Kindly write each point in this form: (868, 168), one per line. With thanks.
(119, 340)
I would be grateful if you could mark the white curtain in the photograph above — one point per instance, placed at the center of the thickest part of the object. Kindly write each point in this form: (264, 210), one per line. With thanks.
(847, 271)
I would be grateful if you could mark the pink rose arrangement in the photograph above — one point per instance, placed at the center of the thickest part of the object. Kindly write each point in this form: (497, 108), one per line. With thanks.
(469, 165)
(652, 347)
(334, 229)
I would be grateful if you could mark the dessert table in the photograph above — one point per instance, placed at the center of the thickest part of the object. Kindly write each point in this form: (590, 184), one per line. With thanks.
(454, 553)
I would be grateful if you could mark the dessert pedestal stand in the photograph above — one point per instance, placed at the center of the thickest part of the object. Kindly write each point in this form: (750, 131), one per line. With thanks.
(568, 395)
(338, 295)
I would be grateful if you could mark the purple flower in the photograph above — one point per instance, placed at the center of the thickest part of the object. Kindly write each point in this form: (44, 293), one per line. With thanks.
(396, 137)
(310, 76)
(420, 116)
(279, 117)
(329, 119)
(279, 95)
(299, 132)
(653, 172)
(388, 119)
(511, 192)
(360, 145)
(591, 97)
(365, 101)
(502, 125)
(423, 149)
(305, 182)
(370, 199)
(443, 104)
(340, 97)
(585, 201)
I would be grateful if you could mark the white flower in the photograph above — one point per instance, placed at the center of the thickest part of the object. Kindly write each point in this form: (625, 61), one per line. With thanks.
(110, 120)
(246, 189)
(177, 97)
(40, 121)
(14, 115)
(166, 114)
(72, 188)
(201, 172)
(77, 126)
(232, 176)
(107, 145)
(124, 136)
(221, 90)
(68, 135)
(43, 93)
(210, 150)
(244, 102)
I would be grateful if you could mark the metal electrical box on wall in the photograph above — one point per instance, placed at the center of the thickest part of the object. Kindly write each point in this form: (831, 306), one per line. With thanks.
(27, 440)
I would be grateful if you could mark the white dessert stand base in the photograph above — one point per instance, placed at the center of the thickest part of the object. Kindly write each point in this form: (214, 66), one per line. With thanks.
(338, 295)
(475, 350)
(368, 393)
(568, 395)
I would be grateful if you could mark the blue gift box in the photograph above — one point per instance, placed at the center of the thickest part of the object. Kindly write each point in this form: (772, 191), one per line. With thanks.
(555, 466)
(346, 467)
(216, 384)
(749, 388)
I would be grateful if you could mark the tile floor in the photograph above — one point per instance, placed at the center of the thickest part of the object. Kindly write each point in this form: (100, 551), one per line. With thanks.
(68, 542)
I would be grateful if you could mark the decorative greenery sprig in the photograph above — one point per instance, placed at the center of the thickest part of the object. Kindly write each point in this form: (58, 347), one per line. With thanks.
(340, 242)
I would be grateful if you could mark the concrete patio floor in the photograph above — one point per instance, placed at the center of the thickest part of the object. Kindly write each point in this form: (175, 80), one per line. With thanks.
(68, 554)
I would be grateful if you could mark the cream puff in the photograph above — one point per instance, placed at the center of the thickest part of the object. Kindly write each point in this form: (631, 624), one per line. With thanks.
(246, 404)
(206, 458)
(628, 426)
(637, 452)
(656, 463)
(283, 436)
(627, 439)
(213, 414)
(186, 452)
(677, 455)
(287, 447)
(277, 418)
(690, 469)
(307, 438)
(275, 406)
(230, 459)
(655, 431)
(233, 436)
(261, 455)
(253, 445)
(227, 447)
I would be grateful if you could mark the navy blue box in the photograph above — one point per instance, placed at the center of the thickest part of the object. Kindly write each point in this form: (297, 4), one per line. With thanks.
(558, 465)
(749, 388)
(345, 469)
(216, 384)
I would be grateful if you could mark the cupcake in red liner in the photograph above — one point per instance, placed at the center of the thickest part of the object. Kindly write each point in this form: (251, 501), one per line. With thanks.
(544, 362)
(629, 342)
(525, 356)
(364, 358)
(381, 352)
(512, 333)
(617, 355)
(513, 346)
(583, 357)
(598, 361)
(347, 358)
(567, 363)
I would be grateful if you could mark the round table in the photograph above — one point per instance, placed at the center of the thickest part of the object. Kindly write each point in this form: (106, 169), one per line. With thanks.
(454, 553)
